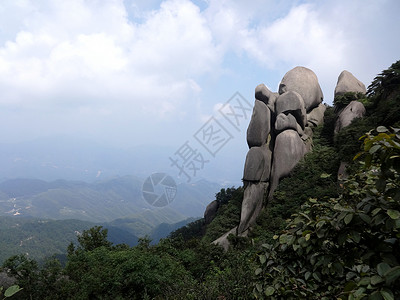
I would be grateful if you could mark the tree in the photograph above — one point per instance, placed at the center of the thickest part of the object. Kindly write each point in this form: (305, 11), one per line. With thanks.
(346, 247)
(93, 238)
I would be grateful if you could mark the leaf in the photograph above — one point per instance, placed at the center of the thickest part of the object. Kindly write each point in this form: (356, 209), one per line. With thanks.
(375, 211)
(313, 200)
(365, 218)
(348, 218)
(307, 275)
(364, 281)
(317, 276)
(376, 279)
(351, 285)
(283, 239)
(374, 148)
(394, 214)
(386, 295)
(392, 275)
(381, 129)
(258, 271)
(269, 291)
(275, 237)
(382, 268)
(263, 259)
(325, 175)
(259, 287)
(307, 237)
(12, 290)
(375, 296)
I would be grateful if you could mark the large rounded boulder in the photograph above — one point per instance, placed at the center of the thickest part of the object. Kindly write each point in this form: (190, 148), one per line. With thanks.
(352, 111)
(292, 102)
(303, 81)
(289, 150)
(348, 83)
(259, 126)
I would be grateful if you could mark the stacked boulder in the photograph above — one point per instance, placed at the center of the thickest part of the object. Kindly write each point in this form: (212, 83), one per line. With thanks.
(347, 83)
(279, 134)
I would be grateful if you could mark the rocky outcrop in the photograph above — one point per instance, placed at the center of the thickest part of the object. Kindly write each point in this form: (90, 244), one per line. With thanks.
(352, 111)
(305, 82)
(289, 149)
(348, 83)
(211, 211)
(279, 134)
(316, 116)
(259, 126)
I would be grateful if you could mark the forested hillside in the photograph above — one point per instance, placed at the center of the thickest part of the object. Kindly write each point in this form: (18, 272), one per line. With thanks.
(323, 236)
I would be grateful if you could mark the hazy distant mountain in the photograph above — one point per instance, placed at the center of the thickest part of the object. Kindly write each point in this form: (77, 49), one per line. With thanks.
(102, 201)
(80, 159)
(40, 238)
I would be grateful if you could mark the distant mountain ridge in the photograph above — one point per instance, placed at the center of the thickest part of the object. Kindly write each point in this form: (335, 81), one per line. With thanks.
(42, 238)
(73, 158)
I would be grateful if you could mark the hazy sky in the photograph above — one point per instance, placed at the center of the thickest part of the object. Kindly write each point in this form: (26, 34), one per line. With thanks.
(127, 72)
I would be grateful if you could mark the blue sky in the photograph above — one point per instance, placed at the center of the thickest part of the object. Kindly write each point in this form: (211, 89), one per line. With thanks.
(127, 73)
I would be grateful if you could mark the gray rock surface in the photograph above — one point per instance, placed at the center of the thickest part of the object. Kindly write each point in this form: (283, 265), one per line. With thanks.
(267, 153)
(252, 204)
(292, 102)
(263, 94)
(254, 164)
(305, 82)
(223, 240)
(259, 125)
(289, 150)
(352, 111)
(316, 116)
(211, 211)
(279, 134)
(348, 83)
(284, 121)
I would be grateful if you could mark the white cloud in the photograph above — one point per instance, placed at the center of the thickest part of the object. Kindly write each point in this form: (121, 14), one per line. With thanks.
(110, 60)
(72, 52)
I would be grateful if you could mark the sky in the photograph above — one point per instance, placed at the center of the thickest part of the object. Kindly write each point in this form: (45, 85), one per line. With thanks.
(129, 73)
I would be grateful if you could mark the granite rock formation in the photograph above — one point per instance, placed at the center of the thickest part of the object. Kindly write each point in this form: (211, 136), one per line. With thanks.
(279, 134)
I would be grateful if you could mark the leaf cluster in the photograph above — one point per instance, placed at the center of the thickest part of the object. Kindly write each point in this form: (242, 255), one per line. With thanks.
(345, 247)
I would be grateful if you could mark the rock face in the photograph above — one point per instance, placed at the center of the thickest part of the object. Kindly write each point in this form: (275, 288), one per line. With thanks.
(211, 211)
(285, 122)
(289, 149)
(352, 111)
(279, 134)
(251, 205)
(259, 126)
(305, 82)
(316, 116)
(348, 83)
(292, 102)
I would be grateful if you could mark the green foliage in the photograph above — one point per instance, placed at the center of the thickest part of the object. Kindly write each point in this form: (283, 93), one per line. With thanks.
(228, 214)
(313, 177)
(346, 247)
(384, 93)
(93, 238)
(341, 101)
(11, 291)
(386, 82)
(347, 141)
(25, 271)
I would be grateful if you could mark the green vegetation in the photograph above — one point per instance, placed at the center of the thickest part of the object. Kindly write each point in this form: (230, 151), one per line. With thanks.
(318, 238)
